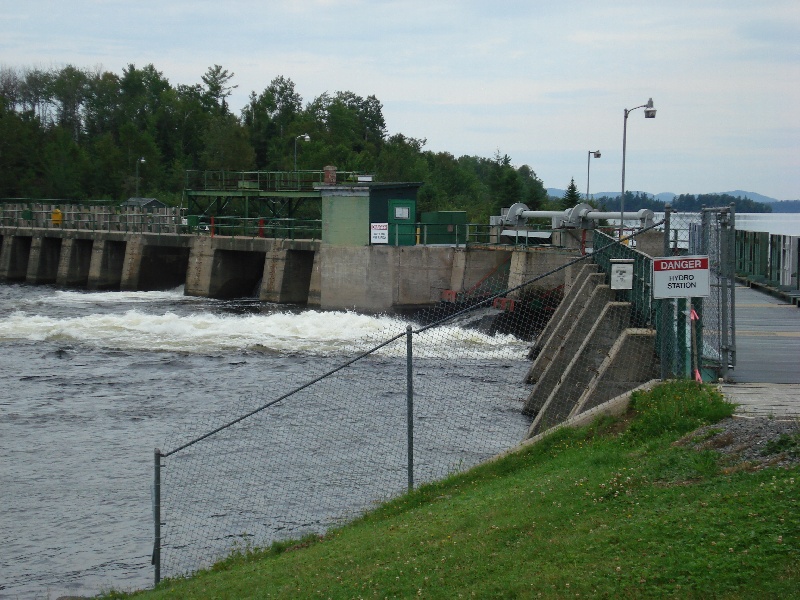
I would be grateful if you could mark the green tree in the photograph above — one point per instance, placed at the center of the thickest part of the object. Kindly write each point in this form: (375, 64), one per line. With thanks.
(218, 89)
(572, 197)
(270, 119)
(106, 173)
(10, 85)
(400, 159)
(69, 90)
(102, 108)
(534, 194)
(35, 94)
(64, 166)
(227, 146)
(141, 95)
(21, 141)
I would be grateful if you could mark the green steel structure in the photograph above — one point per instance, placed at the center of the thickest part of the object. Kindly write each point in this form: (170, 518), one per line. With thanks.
(253, 194)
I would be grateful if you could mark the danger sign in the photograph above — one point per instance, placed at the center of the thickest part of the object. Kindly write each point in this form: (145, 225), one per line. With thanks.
(378, 233)
(680, 277)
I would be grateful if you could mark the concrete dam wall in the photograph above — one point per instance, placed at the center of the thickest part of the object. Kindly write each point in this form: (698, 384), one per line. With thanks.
(367, 278)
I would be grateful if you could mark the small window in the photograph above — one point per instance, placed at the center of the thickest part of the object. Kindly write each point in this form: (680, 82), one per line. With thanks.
(401, 212)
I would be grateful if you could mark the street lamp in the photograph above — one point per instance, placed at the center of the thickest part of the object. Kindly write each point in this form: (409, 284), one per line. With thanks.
(138, 160)
(596, 154)
(306, 138)
(649, 113)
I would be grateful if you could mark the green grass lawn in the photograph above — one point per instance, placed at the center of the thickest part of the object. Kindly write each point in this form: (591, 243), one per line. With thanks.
(613, 510)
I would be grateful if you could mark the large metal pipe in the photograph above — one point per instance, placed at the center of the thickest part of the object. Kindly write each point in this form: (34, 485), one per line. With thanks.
(533, 214)
(577, 216)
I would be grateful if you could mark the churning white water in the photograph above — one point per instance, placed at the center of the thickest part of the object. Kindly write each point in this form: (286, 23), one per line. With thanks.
(322, 333)
(90, 383)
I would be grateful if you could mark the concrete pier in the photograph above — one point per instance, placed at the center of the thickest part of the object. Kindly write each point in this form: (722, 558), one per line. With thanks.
(367, 278)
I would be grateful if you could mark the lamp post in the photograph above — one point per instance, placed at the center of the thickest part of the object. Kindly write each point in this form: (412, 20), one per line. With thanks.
(596, 154)
(649, 113)
(138, 160)
(306, 138)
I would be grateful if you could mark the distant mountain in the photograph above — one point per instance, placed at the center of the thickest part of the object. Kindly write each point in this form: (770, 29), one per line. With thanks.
(751, 196)
(778, 206)
(663, 196)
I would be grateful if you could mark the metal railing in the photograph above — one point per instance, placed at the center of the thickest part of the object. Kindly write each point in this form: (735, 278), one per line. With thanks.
(465, 234)
(284, 229)
(89, 218)
(261, 181)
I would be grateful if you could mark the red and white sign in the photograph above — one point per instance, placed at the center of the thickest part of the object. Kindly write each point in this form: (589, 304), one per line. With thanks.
(681, 277)
(379, 233)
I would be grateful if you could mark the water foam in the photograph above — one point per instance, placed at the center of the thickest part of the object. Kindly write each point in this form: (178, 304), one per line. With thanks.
(64, 297)
(309, 332)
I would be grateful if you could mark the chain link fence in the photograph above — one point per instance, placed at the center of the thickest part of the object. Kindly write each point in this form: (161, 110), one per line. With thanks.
(428, 397)
(709, 233)
(376, 423)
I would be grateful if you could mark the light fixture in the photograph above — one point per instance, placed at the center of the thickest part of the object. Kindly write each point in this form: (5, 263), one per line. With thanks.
(138, 161)
(596, 154)
(306, 138)
(649, 113)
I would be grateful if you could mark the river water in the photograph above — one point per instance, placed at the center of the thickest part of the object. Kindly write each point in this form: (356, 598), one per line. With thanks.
(91, 383)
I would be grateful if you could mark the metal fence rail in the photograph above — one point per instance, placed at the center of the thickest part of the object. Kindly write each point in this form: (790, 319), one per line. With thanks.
(90, 218)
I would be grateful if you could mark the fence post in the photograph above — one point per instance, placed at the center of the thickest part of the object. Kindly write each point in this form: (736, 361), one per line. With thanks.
(732, 280)
(157, 516)
(726, 220)
(410, 406)
(664, 302)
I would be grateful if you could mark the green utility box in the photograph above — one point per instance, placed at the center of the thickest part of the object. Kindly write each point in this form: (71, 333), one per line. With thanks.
(443, 227)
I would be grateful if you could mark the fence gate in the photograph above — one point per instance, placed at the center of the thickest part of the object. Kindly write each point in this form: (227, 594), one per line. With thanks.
(715, 235)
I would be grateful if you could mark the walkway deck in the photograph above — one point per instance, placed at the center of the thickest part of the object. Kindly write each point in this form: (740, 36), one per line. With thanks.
(766, 379)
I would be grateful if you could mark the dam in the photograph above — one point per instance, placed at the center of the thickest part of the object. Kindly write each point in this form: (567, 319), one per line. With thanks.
(338, 271)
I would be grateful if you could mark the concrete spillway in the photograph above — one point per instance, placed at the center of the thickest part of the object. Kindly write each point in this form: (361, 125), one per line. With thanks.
(367, 278)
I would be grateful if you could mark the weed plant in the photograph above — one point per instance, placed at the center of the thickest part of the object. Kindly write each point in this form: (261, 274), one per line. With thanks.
(600, 512)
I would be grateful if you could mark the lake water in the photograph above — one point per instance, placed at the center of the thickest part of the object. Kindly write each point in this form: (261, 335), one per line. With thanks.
(91, 383)
(774, 223)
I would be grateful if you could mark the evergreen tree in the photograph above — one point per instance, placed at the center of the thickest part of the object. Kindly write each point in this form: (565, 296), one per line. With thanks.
(572, 197)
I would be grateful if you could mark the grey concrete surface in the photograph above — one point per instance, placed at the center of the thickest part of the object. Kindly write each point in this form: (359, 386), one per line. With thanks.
(772, 400)
(766, 379)
(767, 339)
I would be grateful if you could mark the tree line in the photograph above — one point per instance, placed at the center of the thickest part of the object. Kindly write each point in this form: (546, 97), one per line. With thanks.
(79, 134)
(683, 203)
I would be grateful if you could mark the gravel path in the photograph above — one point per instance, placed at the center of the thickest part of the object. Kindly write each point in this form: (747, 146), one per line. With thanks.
(757, 442)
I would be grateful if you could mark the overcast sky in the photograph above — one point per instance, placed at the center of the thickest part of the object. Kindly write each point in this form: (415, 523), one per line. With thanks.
(541, 81)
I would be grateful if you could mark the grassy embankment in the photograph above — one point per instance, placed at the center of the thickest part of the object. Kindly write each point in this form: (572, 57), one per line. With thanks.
(612, 510)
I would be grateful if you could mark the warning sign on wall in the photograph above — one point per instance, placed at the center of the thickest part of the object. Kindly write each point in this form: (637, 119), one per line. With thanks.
(379, 233)
(680, 277)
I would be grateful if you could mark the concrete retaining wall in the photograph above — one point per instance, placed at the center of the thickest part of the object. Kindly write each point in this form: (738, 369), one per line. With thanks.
(575, 370)
(587, 354)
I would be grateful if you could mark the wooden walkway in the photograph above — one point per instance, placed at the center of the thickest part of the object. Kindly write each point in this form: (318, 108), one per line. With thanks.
(766, 378)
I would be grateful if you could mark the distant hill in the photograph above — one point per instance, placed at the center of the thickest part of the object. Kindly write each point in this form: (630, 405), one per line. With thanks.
(751, 196)
(662, 197)
(778, 206)
(785, 206)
